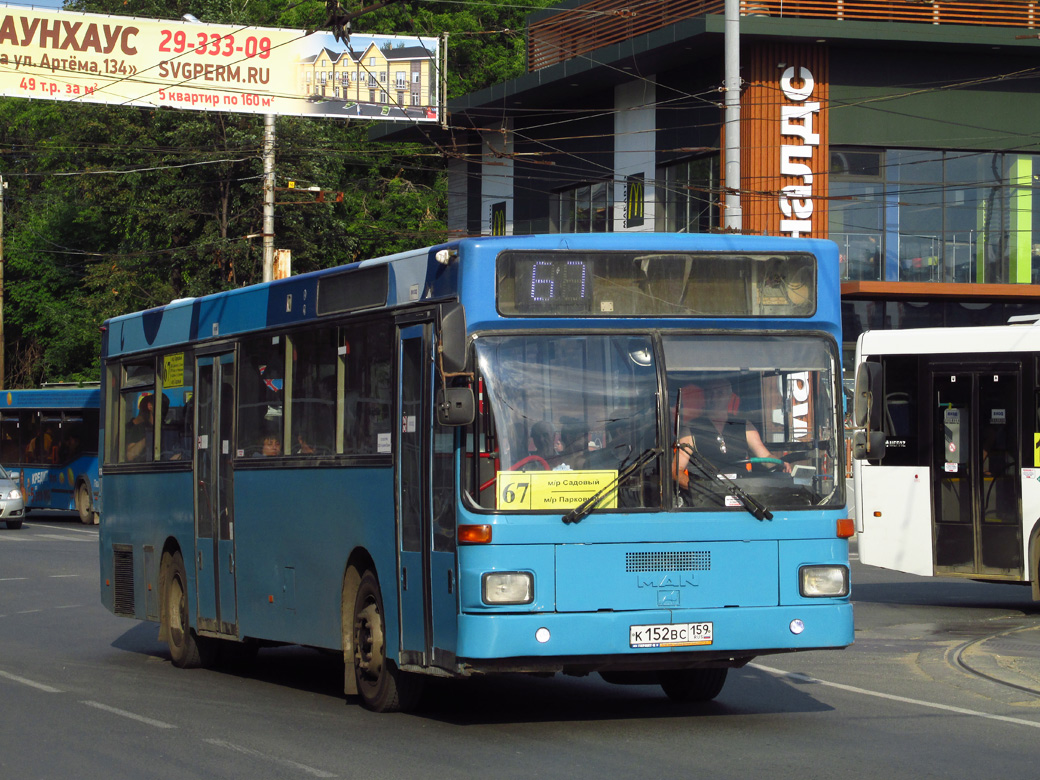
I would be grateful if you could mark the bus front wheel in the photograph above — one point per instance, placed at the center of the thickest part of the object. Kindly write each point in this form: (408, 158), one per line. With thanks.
(186, 649)
(381, 685)
(84, 504)
(690, 685)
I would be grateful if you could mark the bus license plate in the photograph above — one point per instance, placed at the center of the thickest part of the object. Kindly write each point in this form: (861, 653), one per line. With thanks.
(670, 635)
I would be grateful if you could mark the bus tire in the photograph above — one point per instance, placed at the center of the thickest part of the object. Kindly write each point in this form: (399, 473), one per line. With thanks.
(691, 685)
(381, 685)
(84, 504)
(185, 646)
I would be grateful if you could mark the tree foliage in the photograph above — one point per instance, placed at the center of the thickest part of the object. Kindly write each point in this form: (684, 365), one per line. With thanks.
(112, 209)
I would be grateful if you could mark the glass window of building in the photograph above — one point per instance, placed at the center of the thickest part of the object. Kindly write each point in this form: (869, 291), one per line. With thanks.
(688, 196)
(584, 209)
(933, 216)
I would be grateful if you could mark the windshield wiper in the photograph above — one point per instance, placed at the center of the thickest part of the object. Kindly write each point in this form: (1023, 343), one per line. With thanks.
(580, 511)
(706, 467)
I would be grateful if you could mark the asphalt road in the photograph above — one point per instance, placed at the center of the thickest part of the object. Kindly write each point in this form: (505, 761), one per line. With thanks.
(928, 690)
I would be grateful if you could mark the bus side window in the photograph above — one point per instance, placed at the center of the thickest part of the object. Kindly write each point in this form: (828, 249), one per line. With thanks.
(10, 454)
(178, 408)
(365, 353)
(900, 410)
(313, 416)
(260, 393)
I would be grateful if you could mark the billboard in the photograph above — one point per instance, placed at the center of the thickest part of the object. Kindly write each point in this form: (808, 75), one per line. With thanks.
(123, 60)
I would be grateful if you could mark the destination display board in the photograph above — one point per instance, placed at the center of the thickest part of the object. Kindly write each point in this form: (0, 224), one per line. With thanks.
(124, 60)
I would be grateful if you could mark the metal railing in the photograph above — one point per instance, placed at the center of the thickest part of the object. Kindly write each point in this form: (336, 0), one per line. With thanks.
(574, 32)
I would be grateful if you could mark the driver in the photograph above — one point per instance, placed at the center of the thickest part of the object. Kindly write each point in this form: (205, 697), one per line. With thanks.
(726, 441)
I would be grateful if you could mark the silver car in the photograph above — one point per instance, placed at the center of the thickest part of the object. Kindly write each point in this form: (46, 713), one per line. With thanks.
(12, 507)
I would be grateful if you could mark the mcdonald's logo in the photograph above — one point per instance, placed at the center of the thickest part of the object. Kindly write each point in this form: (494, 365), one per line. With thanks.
(498, 218)
(635, 200)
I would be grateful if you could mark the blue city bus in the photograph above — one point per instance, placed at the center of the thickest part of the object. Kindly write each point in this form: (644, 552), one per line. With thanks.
(510, 454)
(49, 444)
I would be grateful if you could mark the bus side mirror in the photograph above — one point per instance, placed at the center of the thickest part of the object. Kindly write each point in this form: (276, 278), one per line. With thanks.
(454, 405)
(866, 410)
(453, 338)
(868, 445)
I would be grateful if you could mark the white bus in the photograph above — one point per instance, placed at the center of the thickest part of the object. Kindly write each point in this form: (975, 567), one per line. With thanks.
(947, 455)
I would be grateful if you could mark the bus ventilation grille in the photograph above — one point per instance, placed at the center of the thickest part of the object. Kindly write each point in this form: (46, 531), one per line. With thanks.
(123, 567)
(668, 561)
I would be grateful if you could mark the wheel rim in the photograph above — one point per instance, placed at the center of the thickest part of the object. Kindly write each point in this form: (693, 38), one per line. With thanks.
(178, 611)
(369, 646)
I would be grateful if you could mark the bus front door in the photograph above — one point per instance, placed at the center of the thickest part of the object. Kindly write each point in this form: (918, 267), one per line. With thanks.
(426, 520)
(214, 508)
(977, 472)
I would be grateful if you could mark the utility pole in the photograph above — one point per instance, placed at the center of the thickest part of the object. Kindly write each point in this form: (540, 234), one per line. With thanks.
(268, 197)
(733, 217)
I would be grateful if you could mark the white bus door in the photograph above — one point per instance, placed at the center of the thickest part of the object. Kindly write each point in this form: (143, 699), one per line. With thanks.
(426, 520)
(977, 471)
(214, 504)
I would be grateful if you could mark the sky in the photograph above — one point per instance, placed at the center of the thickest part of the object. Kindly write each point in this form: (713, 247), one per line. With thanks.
(49, 4)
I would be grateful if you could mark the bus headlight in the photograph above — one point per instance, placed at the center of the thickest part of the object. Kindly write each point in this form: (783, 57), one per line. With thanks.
(823, 581)
(508, 587)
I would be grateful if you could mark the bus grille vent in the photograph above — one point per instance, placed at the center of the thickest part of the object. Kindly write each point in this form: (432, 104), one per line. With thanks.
(668, 561)
(123, 568)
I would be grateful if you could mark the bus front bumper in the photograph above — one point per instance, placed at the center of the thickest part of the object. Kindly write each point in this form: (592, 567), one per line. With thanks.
(579, 643)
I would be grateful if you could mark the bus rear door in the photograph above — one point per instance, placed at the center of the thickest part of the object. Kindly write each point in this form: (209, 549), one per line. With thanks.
(977, 470)
(214, 505)
(426, 534)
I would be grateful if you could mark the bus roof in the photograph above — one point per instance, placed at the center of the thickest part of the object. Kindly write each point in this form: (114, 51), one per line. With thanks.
(409, 277)
(922, 341)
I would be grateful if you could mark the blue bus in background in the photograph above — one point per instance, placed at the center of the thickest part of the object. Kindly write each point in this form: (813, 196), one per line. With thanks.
(49, 444)
(613, 453)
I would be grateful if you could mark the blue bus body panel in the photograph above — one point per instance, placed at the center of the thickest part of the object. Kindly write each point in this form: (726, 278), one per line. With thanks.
(294, 531)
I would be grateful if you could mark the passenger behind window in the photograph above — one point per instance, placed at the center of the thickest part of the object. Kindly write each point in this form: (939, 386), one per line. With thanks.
(140, 431)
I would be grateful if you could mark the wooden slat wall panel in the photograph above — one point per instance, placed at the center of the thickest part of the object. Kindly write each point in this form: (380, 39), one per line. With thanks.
(760, 123)
(577, 31)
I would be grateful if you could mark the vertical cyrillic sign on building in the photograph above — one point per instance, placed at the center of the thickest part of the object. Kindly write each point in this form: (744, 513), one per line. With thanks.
(785, 155)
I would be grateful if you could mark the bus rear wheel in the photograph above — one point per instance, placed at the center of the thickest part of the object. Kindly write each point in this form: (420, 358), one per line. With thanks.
(381, 685)
(691, 685)
(84, 504)
(185, 650)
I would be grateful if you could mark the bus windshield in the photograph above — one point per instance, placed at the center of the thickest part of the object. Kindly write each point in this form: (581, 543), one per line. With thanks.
(578, 409)
(755, 409)
(569, 413)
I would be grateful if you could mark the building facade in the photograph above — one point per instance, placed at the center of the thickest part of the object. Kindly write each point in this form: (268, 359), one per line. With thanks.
(908, 132)
(403, 76)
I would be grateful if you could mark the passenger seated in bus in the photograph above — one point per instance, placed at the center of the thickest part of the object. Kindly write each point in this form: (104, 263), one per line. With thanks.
(140, 431)
(543, 436)
(713, 431)
(272, 445)
(574, 445)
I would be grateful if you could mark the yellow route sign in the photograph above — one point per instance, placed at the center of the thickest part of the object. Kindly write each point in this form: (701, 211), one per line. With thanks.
(520, 490)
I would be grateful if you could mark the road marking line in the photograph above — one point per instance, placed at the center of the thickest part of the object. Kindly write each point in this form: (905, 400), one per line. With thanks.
(12, 579)
(132, 716)
(59, 538)
(30, 683)
(804, 678)
(62, 576)
(274, 759)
